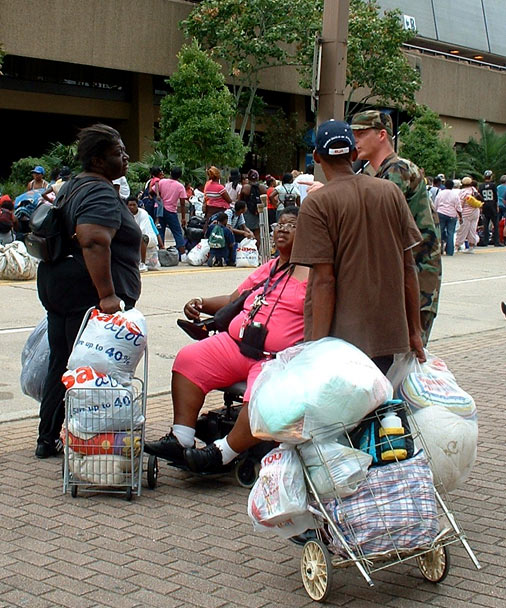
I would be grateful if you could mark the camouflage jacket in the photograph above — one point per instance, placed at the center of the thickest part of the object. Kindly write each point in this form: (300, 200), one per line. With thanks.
(427, 254)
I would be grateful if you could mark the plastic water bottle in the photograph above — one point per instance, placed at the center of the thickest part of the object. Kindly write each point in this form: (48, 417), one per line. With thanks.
(393, 443)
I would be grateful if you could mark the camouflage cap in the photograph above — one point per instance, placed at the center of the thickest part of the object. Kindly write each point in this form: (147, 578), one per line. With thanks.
(373, 119)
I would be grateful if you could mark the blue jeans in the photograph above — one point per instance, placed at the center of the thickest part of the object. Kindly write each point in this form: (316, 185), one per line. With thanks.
(170, 220)
(447, 225)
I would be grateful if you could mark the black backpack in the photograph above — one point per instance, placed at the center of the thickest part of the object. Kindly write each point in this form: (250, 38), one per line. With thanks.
(6, 220)
(254, 199)
(48, 240)
(290, 197)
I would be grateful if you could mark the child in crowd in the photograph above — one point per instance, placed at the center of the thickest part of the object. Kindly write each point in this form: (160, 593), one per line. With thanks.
(221, 241)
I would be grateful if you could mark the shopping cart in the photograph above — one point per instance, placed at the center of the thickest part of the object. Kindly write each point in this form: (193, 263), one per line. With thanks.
(338, 543)
(104, 438)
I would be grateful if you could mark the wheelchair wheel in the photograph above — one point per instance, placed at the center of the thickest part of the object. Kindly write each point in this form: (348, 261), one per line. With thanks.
(152, 472)
(435, 564)
(316, 570)
(246, 472)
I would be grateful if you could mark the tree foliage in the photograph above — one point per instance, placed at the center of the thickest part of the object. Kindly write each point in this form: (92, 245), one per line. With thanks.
(280, 142)
(196, 116)
(376, 62)
(487, 153)
(426, 143)
(250, 36)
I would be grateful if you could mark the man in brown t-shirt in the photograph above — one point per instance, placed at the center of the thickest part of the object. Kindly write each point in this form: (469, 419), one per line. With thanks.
(356, 233)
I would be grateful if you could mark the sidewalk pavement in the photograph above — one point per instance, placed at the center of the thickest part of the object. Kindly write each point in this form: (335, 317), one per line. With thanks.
(189, 542)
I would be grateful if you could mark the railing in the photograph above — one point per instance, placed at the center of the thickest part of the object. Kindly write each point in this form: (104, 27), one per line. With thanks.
(427, 51)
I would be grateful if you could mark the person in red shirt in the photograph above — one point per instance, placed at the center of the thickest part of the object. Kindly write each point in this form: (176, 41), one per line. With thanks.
(272, 201)
(216, 196)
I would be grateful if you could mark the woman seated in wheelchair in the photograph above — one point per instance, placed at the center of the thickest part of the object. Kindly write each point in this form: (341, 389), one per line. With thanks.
(271, 320)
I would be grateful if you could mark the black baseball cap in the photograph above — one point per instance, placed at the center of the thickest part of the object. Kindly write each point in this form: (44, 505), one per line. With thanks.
(334, 137)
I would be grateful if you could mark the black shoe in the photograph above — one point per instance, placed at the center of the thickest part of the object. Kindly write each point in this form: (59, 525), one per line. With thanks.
(499, 245)
(167, 447)
(204, 460)
(46, 449)
(503, 308)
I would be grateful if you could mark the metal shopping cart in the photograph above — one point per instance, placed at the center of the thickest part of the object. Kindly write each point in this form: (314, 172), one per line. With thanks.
(375, 528)
(104, 437)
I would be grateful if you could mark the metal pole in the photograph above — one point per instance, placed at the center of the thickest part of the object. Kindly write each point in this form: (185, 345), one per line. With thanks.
(333, 61)
(333, 64)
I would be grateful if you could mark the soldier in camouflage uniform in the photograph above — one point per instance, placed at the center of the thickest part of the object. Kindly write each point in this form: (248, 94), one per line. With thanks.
(373, 132)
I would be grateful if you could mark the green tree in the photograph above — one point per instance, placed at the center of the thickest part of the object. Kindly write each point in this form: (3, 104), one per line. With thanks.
(427, 144)
(250, 36)
(280, 142)
(196, 116)
(487, 153)
(376, 66)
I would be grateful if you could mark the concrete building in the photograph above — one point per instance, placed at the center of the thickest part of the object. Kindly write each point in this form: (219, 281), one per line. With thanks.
(73, 62)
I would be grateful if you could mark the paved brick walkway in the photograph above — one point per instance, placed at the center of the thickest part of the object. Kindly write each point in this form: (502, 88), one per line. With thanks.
(190, 543)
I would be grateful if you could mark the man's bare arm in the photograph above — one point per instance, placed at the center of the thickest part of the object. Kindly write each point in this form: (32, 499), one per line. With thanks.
(323, 299)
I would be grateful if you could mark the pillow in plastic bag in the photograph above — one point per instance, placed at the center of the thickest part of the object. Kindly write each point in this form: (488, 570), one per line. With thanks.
(451, 441)
(315, 385)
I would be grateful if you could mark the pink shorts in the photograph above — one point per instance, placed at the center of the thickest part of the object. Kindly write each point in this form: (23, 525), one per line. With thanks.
(216, 362)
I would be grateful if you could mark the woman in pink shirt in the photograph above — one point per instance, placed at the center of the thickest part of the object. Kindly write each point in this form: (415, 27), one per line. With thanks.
(216, 197)
(471, 206)
(449, 208)
(276, 301)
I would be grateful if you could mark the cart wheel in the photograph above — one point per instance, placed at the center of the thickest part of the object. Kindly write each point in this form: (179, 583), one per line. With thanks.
(316, 570)
(152, 472)
(128, 494)
(246, 472)
(73, 490)
(434, 565)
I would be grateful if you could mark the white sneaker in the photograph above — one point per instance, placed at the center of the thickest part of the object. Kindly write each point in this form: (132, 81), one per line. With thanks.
(470, 250)
(143, 267)
(184, 258)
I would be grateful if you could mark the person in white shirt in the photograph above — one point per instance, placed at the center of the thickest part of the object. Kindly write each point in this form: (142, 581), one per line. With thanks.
(151, 240)
(304, 180)
(286, 194)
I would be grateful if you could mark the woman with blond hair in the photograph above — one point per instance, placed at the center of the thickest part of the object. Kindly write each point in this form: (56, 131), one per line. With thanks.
(216, 197)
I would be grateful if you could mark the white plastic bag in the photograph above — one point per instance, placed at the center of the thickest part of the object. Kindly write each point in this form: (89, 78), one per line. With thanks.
(35, 362)
(452, 442)
(279, 493)
(16, 264)
(199, 254)
(111, 344)
(431, 383)
(92, 410)
(247, 254)
(152, 261)
(335, 468)
(101, 469)
(328, 383)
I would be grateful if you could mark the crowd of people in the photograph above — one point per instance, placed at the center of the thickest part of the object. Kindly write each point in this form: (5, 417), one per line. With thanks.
(326, 265)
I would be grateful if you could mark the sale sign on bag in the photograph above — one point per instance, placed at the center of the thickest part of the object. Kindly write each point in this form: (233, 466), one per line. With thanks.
(111, 344)
(91, 410)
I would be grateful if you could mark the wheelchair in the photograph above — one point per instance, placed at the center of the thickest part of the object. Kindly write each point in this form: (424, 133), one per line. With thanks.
(217, 423)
